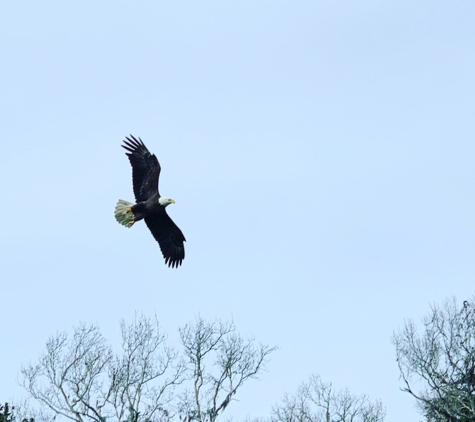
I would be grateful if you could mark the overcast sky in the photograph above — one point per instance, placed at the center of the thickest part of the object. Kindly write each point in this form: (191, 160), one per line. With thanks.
(321, 155)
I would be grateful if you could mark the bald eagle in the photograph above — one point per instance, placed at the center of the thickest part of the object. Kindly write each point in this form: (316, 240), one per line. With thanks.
(150, 205)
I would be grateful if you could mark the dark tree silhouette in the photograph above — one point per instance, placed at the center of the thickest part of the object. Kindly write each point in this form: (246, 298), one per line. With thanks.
(437, 366)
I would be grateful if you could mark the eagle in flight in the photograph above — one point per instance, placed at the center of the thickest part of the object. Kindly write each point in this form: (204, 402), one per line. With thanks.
(150, 205)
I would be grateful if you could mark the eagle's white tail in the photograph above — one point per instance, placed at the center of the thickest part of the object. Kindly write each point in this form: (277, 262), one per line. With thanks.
(123, 213)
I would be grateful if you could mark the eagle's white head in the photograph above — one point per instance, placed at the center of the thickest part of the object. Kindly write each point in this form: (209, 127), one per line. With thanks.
(164, 202)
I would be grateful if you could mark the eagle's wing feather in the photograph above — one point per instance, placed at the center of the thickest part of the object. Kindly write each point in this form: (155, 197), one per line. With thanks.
(168, 235)
(145, 169)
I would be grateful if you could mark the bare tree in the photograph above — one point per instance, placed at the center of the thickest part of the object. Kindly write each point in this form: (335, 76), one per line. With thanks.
(315, 401)
(81, 379)
(220, 362)
(437, 367)
(144, 376)
(73, 373)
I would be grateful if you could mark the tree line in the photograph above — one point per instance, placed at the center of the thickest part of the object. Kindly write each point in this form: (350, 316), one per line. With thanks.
(80, 378)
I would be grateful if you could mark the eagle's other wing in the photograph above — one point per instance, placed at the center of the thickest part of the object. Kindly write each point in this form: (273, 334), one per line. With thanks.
(145, 168)
(168, 235)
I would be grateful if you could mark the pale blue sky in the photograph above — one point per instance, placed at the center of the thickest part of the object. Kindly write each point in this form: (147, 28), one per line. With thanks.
(321, 155)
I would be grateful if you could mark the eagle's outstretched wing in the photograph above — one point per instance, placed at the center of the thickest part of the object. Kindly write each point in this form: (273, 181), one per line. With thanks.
(145, 169)
(168, 235)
